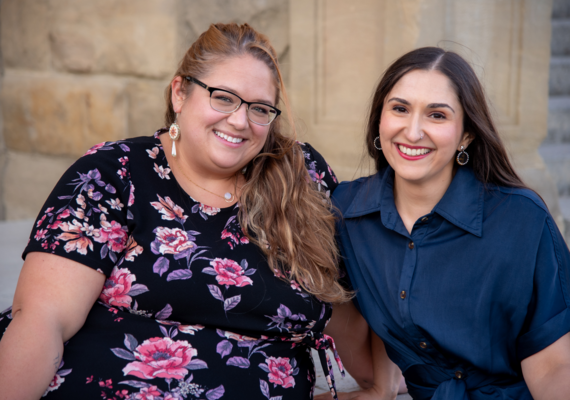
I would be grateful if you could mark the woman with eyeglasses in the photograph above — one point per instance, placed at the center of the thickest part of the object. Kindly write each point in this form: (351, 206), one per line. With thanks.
(197, 263)
(459, 269)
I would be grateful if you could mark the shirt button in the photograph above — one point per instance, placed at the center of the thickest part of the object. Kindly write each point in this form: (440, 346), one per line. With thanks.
(403, 294)
(424, 219)
(411, 245)
(423, 345)
(458, 374)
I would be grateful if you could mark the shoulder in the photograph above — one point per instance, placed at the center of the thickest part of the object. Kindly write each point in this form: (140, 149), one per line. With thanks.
(520, 201)
(319, 170)
(364, 191)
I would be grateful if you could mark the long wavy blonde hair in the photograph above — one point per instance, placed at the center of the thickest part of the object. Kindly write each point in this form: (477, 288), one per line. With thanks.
(280, 209)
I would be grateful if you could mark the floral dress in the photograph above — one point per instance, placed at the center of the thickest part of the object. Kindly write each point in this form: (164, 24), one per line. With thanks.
(190, 308)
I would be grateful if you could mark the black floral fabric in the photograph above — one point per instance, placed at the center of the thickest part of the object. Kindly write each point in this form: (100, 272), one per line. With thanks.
(190, 308)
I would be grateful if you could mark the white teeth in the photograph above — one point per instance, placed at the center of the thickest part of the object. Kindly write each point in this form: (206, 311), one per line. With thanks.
(228, 138)
(413, 152)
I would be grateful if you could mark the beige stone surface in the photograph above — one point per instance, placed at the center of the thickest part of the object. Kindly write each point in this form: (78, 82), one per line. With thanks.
(107, 36)
(24, 30)
(146, 106)
(56, 114)
(28, 180)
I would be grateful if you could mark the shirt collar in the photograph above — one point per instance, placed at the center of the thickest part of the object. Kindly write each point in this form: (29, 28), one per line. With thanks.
(461, 205)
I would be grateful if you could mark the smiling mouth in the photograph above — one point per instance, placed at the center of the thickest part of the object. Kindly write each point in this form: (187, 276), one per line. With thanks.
(413, 152)
(228, 138)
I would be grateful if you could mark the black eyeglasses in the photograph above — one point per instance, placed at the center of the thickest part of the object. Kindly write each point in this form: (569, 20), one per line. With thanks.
(227, 102)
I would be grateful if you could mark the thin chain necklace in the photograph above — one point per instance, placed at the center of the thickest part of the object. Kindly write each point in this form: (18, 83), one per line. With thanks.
(228, 197)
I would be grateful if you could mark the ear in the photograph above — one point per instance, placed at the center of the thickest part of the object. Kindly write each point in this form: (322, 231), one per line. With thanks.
(465, 140)
(178, 94)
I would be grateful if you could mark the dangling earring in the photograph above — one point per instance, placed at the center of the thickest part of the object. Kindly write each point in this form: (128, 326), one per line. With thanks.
(174, 133)
(462, 157)
(377, 145)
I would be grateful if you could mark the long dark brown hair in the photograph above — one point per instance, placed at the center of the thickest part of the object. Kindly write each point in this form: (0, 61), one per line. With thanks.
(280, 209)
(487, 153)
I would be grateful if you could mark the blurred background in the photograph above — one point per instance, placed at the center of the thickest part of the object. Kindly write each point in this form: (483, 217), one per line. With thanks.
(74, 73)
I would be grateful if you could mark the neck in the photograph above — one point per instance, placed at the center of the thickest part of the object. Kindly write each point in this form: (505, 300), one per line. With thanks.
(414, 200)
(203, 184)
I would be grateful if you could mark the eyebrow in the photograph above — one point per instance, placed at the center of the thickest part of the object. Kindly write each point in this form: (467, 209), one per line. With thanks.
(431, 105)
(262, 101)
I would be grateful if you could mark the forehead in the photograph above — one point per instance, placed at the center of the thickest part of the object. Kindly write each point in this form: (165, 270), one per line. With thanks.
(244, 75)
(425, 86)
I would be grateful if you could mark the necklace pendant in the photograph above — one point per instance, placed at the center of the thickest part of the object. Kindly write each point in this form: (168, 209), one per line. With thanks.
(228, 197)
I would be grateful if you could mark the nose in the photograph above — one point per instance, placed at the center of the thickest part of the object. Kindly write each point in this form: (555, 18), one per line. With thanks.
(414, 130)
(238, 119)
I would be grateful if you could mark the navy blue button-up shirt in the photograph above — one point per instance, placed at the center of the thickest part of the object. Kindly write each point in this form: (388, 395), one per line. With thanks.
(482, 282)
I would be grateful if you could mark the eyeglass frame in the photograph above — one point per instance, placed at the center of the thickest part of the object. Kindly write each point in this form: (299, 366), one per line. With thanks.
(242, 101)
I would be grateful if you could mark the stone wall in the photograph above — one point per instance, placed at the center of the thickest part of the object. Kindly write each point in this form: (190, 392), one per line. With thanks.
(78, 72)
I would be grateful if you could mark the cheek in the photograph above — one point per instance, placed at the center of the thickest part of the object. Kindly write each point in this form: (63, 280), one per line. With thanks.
(388, 126)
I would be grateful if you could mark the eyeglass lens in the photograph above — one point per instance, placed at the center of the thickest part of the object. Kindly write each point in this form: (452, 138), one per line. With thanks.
(256, 112)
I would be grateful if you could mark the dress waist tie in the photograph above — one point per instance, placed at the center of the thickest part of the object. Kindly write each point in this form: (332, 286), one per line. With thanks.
(321, 342)
(316, 340)
(450, 385)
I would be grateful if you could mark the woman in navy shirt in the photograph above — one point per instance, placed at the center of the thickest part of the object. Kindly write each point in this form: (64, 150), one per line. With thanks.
(459, 269)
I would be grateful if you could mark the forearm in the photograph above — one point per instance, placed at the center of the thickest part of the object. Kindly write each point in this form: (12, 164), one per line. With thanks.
(30, 354)
(555, 385)
(386, 374)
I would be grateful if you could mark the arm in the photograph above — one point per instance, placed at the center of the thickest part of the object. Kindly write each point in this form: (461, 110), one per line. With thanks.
(547, 373)
(52, 300)
(364, 356)
(352, 339)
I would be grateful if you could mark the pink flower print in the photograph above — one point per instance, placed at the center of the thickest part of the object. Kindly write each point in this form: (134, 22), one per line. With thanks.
(115, 204)
(190, 329)
(280, 371)
(148, 393)
(161, 358)
(40, 234)
(50, 209)
(331, 174)
(168, 209)
(124, 160)
(64, 214)
(131, 196)
(75, 235)
(94, 149)
(209, 210)
(40, 222)
(162, 172)
(116, 288)
(172, 241)
(54, 384)
(113, 234)
(230, 273)
(153, 153)
(122, 173)
(133, 249)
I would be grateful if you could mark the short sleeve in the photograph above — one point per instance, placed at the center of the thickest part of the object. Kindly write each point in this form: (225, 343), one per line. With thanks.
(85, 218)
(320, 172)
(548, 317)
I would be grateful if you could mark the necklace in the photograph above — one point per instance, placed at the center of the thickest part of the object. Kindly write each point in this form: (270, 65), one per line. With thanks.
(228, 196)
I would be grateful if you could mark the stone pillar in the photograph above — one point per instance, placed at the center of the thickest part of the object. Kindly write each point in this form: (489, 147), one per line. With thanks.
(339, 50)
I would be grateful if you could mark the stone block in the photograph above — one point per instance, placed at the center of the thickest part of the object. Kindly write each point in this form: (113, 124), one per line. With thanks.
(146, 106)
(559, 82)
(24, 32)
(558, 120)
(55, 114)
(28, 181)
(118, 37)
(560, 43)
(557, 159)
(270, 17)
(561, 9)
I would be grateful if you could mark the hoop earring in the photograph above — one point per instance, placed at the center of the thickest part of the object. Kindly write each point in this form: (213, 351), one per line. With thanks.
(174, 133)
(377, 145)
(462, 157)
